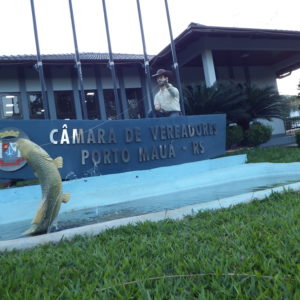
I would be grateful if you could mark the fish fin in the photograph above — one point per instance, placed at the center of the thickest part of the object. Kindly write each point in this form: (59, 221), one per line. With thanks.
(65, 198)
(55, 211)
(39, 214)
(58, 161)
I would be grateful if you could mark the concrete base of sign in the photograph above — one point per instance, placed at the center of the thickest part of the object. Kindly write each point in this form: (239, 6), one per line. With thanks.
(95, 229)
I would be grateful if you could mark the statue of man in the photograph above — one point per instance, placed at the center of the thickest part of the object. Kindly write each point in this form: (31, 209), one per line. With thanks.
(166, 100)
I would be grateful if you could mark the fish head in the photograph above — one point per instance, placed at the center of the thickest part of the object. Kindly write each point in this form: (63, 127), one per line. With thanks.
(26, 147)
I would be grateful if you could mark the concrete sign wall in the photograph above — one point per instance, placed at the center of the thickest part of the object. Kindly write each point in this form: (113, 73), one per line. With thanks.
(91, 148)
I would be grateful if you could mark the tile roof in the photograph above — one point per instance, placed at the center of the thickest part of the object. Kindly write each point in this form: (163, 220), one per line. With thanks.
(88, 56)
(205, 28)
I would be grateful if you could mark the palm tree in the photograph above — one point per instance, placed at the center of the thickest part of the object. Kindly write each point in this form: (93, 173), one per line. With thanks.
(219, 98)
(263, 103)
(241, 103)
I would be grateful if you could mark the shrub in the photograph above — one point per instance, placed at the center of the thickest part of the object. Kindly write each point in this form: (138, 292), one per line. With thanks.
(258, 134)
(297, 136)
(234, 136)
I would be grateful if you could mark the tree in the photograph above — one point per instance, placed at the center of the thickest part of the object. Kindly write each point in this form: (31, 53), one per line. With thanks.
(219, 98)
(241, 103)
(263, 103)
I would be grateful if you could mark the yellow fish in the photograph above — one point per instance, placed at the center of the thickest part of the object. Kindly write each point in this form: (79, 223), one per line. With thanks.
(46, 169)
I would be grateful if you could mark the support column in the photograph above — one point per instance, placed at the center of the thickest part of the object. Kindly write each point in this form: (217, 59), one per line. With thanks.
(229, 66)
(97, 71)
(50, 93)
(23, 99)
(76, 93)
(145, 93)
(208, 67)
(124, 108)
(247, 74)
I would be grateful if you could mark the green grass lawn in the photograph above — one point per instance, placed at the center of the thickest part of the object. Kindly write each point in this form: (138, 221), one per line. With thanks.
(249, 251)
(270, 154)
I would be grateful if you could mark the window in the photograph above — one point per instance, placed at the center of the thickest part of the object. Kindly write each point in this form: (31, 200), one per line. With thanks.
(65, 108)
(92, 105)
(135, 103)
(10, 108)
(110, 104)
(36, 109)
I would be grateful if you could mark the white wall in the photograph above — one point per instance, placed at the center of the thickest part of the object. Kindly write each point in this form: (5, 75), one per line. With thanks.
(32, 81)
(191, 75)
(263, 76)
(61, 78)
(260, 76)
(131, 77)
(222, 73)
(106, 78)
(276, 124)
(239, 74)
(9, 79)
(89, 80)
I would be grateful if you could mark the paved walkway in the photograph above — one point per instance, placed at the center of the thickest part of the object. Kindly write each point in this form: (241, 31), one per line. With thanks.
(281, 140)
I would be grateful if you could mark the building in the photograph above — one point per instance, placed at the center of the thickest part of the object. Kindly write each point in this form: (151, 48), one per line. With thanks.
(254, 56)
(20, 87)
(205, 54)
(208, 53)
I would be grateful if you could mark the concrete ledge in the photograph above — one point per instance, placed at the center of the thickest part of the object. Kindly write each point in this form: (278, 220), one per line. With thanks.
(20, 204)
(95, 229)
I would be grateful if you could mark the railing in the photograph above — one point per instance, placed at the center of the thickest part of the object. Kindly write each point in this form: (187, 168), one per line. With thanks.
(292, 124)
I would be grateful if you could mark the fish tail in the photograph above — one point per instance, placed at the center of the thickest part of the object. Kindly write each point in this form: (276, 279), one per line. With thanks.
(58, 161)
(32, 230)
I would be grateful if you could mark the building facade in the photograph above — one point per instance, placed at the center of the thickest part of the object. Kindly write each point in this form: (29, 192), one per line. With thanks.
(206, 54)
(21, 96)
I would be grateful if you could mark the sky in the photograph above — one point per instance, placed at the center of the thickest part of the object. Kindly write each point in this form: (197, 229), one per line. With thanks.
(55, 32)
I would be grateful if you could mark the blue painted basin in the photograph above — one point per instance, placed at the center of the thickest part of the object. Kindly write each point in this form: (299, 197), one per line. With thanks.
(102, 198)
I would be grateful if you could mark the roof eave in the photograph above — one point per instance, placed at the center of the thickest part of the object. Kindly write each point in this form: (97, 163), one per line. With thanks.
(194, 28)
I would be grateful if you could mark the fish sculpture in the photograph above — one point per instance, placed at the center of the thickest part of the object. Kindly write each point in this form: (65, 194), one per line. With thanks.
(46, 170)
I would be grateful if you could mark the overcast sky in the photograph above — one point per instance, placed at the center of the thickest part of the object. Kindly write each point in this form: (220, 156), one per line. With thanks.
(54, 26)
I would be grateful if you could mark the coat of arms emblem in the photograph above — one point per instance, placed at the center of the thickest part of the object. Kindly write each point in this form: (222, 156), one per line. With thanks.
(10, 157)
